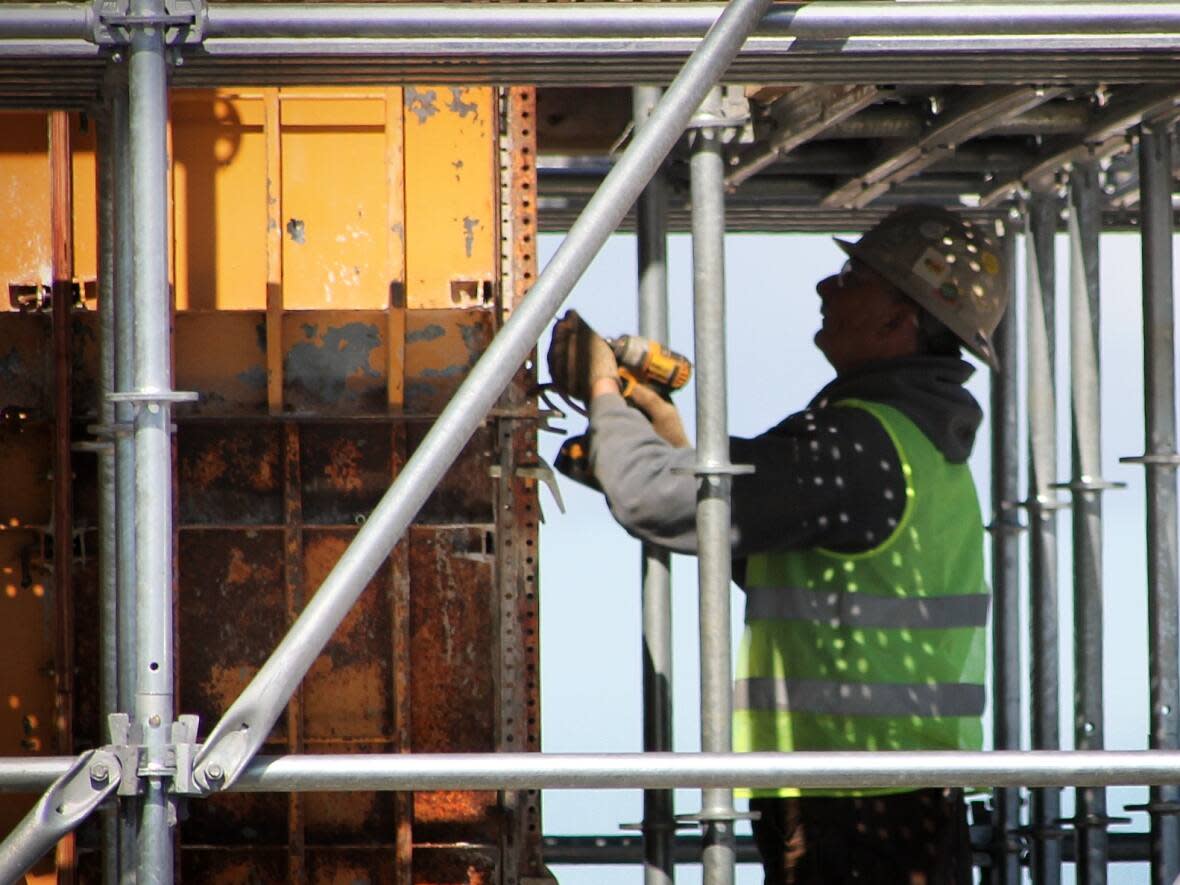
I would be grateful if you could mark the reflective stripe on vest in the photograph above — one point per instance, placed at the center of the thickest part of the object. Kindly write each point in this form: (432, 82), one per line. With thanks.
(862, 610)
(857, 699)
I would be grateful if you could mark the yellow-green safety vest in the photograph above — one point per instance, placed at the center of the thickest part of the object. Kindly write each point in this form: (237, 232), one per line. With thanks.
(878, 650)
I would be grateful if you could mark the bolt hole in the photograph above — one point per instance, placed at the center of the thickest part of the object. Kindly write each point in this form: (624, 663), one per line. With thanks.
(153, 666)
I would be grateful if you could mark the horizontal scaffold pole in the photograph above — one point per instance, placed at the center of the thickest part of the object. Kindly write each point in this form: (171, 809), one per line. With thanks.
(826, 19)
(618, 771)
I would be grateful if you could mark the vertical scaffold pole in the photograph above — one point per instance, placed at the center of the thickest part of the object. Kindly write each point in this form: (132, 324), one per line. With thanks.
(713, 469)
(122, 186)
(108, 612)
(1005, 531)
(659, 826)
(1040, 286)
(153, 450)
(1085, 221)
(1160, 459)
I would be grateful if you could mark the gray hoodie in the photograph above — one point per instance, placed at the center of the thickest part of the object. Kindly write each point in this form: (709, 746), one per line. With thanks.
(824, 477)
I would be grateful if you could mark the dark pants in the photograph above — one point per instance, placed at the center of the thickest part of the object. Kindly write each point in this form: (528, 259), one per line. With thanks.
(917, 838)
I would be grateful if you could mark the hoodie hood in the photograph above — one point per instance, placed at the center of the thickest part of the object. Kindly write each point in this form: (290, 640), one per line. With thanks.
(928, 390)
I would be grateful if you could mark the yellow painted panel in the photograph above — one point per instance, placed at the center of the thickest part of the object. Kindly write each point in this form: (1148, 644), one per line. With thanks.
(24, 201)
(335, 203)
(82, 144)
(451, 228)
(219, 212)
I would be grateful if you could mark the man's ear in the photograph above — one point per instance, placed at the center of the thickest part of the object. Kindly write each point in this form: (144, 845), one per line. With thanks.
(901, 315)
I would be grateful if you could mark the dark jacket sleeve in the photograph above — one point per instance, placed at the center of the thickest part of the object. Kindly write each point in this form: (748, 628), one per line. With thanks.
(829, 477)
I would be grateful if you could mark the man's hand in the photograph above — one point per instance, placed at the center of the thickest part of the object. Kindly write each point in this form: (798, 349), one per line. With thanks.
(664, 417)
(578, 357)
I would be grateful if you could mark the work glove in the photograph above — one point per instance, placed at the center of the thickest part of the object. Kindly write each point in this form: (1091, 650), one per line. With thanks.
(579, 356)
(664, 417)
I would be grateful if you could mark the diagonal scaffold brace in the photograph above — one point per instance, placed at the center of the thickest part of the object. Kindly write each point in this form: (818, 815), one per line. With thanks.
(242, 730)
(69, 800)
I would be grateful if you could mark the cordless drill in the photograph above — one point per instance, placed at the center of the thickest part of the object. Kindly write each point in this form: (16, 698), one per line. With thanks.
(641, 361)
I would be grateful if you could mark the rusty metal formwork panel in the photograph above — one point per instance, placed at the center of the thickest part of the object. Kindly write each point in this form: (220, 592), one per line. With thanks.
(324, 329)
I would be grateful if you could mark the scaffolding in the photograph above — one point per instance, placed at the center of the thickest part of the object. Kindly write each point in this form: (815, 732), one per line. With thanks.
(123, 56)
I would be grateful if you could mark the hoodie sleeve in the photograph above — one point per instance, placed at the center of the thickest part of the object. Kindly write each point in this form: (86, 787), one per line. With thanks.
(828, 477)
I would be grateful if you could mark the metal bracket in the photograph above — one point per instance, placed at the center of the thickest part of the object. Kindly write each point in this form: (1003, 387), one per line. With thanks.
(184, 742)
(125, 740)
(183, 22)
(541, 472)
(127, 745)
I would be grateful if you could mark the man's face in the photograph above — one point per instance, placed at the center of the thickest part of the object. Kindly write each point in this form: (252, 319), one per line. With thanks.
(864, 319)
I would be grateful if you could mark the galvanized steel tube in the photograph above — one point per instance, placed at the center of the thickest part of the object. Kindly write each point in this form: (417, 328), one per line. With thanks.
(1085, 224)
(243, 728)
(124, 442)
(31, 21)
(1044, 645)
(816, 20)
(108, 608)
(1005, 542)
(651, 236)
(148, 73)
(707, 169)
(1155, 177)
(620, 771)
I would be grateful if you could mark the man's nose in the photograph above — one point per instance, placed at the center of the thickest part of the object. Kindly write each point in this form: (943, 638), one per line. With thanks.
(828, 286)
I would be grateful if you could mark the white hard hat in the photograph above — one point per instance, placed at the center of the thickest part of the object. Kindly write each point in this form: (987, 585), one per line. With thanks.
(950, 267)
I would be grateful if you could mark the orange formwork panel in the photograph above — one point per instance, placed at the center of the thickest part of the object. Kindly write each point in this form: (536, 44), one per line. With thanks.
(341, 259)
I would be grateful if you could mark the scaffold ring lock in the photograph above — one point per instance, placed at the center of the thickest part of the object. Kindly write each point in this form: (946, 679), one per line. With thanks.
(1153, 459)
(1156, 808)
(715, 469)
(1089, 485)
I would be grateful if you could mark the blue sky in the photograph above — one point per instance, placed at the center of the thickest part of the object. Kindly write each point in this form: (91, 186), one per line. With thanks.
(589, 567)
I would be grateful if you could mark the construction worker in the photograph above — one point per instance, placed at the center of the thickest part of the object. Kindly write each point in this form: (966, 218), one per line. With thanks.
(857, 540)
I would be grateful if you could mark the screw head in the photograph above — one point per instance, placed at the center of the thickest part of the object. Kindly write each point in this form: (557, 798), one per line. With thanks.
(154, 721)
(215, 772)
(99, 773)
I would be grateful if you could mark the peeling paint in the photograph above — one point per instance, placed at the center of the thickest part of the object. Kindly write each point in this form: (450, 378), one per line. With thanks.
(421, 104)
(310, 330)
(469, 226)
(461, 107)
(398, 231)
(429, 333)
(448, 372)
(296, 231)
(253, 377)
(475, 340)
(345, 352)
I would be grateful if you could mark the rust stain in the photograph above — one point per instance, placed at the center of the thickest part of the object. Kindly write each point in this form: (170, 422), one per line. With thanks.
(342, 470)
(346, 692)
